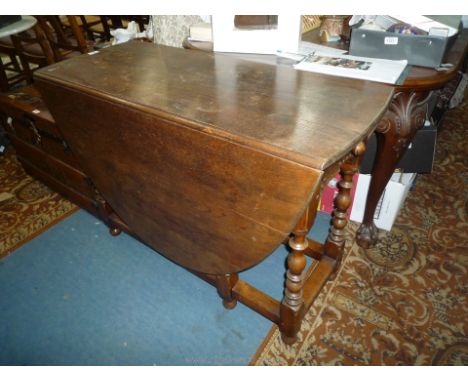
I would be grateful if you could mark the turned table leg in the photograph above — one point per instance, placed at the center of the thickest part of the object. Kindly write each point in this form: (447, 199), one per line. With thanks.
(395, 131)
(224, 285)
(336, 239)
(292, 305)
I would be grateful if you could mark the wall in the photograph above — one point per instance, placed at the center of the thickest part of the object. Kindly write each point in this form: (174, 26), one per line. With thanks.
(172, 30)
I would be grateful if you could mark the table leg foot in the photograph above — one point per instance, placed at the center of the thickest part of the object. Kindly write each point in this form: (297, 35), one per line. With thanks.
(367, 235)
(230, 304)
(290, 322)
(114, 231)
(224, 285)
(288, 340)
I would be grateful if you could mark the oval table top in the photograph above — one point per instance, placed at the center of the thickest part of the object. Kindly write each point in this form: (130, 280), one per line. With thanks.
(211, 160)
(309, 118)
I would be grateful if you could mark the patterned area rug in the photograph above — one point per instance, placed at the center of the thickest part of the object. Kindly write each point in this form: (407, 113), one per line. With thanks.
(27, 207)
(405, 301)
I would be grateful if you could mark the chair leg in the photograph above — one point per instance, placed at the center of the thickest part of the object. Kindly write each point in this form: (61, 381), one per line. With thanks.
(28, 74)
(4, 86)
(15, 62)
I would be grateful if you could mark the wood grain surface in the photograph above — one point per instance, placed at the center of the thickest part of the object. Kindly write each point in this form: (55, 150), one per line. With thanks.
(306, 117)
(210, 160)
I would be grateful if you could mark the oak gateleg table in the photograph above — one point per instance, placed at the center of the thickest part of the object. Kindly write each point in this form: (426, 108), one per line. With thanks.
(214, 161)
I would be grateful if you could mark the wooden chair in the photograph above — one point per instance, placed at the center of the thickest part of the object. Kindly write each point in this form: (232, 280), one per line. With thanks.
(109, 23)
(95, 28)
(63, 44)
(33, 50)
(7, 50)
(114, 22)
(98, 28)
(140, 20)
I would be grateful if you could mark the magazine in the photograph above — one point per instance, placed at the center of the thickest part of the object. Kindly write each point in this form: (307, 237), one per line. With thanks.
(365, 68)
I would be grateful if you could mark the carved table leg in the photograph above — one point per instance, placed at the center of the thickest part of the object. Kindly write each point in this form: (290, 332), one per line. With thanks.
(292, 305)
(336, 239)
(396, 130)
(224, 285)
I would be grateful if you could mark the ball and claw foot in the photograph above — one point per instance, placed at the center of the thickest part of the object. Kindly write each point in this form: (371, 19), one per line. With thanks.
(114, 231)
(367, 236)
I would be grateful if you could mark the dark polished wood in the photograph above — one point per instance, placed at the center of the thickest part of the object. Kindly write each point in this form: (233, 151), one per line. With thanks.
(405, 116)
(33, 50)
(62, 44)
(395, 132)
(46, 156)
(215, 161)
(95, 27)
(336, 239)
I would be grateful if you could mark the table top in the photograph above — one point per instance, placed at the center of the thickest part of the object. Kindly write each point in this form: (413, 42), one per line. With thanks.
(25, 23)
(305, 117)
(211, 160)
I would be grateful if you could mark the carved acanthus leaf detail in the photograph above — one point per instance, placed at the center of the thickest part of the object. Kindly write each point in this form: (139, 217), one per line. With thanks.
(404, 117)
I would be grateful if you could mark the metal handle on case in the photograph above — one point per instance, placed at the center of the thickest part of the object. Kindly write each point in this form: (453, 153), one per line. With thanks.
(37, 138)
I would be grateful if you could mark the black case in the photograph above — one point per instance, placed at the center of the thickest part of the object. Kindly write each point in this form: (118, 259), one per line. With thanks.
(419, 156)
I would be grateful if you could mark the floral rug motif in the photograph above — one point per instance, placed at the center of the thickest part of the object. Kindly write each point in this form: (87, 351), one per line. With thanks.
(27, 207)
(403, 302)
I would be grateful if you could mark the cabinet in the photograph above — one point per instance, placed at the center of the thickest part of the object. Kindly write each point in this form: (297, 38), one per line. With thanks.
(46, 156)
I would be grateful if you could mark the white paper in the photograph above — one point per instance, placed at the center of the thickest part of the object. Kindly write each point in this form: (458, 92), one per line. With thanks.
(365, 68)
(390, 202)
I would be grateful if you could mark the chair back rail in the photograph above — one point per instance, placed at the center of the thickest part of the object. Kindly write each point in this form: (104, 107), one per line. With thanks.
(61, 43)
(33, 50)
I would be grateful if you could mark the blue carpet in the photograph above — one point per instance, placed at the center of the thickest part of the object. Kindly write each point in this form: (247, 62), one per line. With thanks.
(77, 296)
